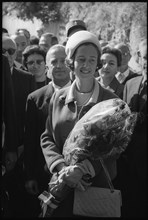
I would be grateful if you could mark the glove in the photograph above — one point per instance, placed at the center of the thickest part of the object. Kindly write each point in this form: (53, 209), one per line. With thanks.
(71, 175)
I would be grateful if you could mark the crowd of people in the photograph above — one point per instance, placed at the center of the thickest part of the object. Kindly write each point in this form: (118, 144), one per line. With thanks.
(47, 86)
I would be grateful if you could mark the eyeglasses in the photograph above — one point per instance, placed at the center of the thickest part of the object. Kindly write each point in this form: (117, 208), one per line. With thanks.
(11, 51)
(31, 62)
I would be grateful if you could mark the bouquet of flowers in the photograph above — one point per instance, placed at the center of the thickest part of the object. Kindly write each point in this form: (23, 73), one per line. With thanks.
(103, 132)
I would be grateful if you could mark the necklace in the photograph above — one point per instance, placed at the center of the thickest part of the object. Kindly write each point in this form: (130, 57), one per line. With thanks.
(83, 98)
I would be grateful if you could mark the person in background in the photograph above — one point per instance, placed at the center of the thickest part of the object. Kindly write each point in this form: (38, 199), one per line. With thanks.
(132, 168)
(66, 107)
(9, 137)
(23, 84)
(111, 59)
(34, 40)
(47, 40)
(24, 32)
(125, 73)
(34, 60)
(21, 43)
(37, 173)
(10, 141)
(72, 27)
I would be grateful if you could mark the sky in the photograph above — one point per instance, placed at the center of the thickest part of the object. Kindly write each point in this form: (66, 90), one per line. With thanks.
(12, 23)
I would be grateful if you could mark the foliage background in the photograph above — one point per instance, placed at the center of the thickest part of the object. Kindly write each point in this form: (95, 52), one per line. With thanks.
(111, 21)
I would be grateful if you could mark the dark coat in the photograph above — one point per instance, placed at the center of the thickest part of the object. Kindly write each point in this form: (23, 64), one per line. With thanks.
(23, 84)
(36, 114)
(8, 108)
(115, 87)
(132, 165)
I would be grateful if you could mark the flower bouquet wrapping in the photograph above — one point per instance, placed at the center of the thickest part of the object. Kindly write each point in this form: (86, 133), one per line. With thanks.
(103, 132)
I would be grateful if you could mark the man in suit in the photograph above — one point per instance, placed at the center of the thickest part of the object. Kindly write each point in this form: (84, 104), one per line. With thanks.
(9, 134)
(125, 73)
(133, 173)
(37, 174)
(23, 84)
(9, 126)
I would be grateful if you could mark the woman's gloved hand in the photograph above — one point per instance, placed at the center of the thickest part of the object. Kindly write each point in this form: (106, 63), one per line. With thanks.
(71, 175)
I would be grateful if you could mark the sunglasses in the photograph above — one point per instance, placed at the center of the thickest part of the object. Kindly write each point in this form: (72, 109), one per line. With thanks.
(31, 62)
(11, 51)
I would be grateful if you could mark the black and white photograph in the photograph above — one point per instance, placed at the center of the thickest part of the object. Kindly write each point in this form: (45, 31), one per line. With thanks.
(74, 110)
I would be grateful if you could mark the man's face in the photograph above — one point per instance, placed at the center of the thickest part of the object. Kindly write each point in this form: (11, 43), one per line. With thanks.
(9, 49)
(45, 43)
(125, 54)
(55, 61)
(21, 44)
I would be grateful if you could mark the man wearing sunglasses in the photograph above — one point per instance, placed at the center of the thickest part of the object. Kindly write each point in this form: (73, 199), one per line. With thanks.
(23, 84)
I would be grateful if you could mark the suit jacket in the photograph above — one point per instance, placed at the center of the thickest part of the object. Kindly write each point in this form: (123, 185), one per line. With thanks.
(8, 109)
(115, 87)
(36, 114)
(135, 174)
(23, 84)
(130, 76)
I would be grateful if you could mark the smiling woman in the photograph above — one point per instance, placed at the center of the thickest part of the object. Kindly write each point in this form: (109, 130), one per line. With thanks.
(66, 107)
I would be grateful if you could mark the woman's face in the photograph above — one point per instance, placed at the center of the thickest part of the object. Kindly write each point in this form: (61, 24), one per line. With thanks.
(109, 65)
(36, 65)
(85, 62)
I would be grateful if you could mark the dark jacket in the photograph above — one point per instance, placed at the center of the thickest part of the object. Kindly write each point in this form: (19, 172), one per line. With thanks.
(8, 108)
(115, 87)
(132, 165)
(23, 84)
(36, 114)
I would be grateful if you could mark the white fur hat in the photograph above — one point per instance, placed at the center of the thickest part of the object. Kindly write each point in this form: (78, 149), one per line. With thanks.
(78, 38)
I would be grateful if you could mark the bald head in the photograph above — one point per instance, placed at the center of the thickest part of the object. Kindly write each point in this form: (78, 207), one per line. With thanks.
(57, 69)
(56, 47)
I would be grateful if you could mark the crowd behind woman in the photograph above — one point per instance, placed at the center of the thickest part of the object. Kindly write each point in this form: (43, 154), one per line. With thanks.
(83, 69)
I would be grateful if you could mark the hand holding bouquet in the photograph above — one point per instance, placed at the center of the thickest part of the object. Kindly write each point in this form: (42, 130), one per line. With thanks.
(103, 132)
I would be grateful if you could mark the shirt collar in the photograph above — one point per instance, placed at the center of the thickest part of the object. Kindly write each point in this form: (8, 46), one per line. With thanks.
(93, 98)
(122, 76)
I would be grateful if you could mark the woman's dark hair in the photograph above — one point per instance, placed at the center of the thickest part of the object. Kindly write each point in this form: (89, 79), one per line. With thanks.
(32, 49)
(70, 62)
(116, 52)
